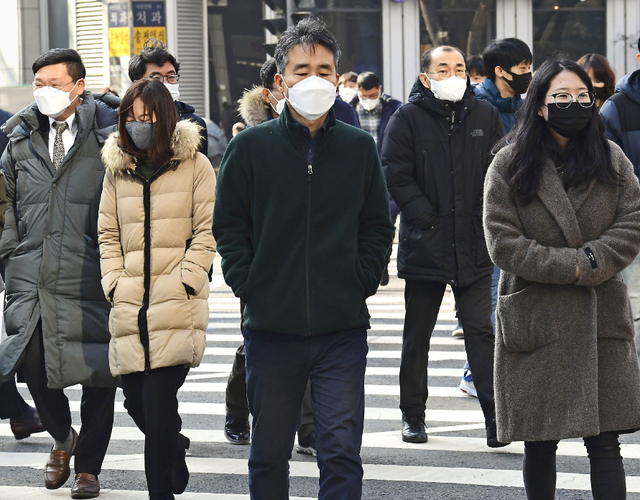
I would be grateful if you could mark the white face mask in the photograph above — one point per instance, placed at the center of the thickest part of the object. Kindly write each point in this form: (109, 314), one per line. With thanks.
(347, 93)
(53, 102)
(173, 90)
(451, 89)
(280, 106)
(370, 104)
(311, 97)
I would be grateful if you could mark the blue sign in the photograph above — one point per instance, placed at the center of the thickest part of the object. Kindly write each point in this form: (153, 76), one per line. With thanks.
(149, 14)
(118, 15)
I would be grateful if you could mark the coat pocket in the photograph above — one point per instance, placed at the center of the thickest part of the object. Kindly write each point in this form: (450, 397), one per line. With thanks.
(526, 320)
(615, 320)
(424, 247)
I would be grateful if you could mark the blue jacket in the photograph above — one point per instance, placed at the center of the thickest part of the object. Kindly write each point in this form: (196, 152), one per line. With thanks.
(621, 113)
(345, 112)
(187, 112)
(507, 106)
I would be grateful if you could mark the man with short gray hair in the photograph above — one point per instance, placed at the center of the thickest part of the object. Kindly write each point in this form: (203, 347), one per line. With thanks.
(302, 223)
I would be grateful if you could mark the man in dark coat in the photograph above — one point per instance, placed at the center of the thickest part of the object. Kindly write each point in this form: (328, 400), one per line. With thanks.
(621, 113)
(24, 419)
(57, 315)
(435, 155)
(155, 61)
(302, 223)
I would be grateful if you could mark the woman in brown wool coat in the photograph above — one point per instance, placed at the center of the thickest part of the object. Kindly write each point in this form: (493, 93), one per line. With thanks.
(562, 219)
(156, 248)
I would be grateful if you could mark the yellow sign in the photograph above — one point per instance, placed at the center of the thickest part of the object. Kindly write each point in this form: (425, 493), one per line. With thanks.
(119, 42)
(142, 33)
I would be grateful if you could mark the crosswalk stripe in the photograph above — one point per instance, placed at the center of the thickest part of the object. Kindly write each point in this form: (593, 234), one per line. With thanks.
(433, 355)
(15, 492)
(371, 339)
(372, 472)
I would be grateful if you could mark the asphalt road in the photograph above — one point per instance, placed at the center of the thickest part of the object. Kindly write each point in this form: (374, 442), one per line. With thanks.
(454, 464)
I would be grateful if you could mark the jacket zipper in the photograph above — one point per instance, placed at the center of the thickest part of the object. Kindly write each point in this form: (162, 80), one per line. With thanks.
(455, 253)
(143, 326)
(306, 249)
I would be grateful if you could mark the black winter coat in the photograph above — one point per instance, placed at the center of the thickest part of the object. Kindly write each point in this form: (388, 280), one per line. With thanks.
(187, 112)
(435, 156)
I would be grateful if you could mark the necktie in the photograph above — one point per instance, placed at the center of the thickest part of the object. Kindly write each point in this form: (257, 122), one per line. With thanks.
(58, 145)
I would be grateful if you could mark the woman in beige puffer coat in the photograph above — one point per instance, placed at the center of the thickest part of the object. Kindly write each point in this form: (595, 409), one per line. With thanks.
(156, 248)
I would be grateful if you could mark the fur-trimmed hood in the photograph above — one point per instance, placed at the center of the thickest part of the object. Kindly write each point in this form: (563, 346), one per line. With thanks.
(184, 143)
(252, 107)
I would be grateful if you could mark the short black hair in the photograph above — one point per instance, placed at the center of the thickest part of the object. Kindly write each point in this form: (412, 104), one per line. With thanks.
(69, 57)
(368, 80)
(153, 51)
(638, 44)
(268, 73)
(310, 32)
(506, 53)
(476, 64)
(427, 56)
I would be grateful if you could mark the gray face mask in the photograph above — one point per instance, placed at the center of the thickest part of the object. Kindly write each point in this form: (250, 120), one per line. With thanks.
(142, 133)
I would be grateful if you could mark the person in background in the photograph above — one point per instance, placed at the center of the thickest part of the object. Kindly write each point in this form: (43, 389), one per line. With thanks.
(57, 318)
(304, 188)
(507, 63)
(374, 108)
(237, 128)
(348, 86)
(477, 71)
(562, 220)
(620, 113)
(217, 144)
(157, 63)
(156, 248)
(601, 74)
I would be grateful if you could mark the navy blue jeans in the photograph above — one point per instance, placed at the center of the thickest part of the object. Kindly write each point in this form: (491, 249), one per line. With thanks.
(278, 367)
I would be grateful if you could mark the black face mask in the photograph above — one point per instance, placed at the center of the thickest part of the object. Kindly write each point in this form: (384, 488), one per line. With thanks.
(520, 83)
(569, 122)
(600, 93)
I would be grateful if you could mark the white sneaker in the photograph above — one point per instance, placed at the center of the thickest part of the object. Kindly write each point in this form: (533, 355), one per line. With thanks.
(458, 331)
(466, 384)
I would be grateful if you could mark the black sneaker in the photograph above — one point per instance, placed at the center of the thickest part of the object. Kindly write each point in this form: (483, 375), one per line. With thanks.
(307, 445)
(492, 436)
(236, 429)
(414, 430)
(384, 281)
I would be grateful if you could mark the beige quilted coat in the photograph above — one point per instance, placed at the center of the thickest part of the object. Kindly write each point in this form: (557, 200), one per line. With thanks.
(155, 237)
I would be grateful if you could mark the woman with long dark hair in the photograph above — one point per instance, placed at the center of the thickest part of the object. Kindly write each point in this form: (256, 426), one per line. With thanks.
(156, 248)
(601, 75)
(562, 219)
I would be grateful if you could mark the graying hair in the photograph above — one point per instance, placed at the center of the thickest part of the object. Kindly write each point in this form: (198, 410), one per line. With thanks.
(309, 32)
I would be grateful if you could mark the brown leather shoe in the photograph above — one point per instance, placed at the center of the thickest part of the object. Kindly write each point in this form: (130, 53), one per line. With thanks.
(85, 486)
(29, 424)
(56, 470)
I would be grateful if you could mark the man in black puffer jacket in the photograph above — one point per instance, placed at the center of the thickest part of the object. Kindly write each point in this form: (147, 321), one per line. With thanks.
(435, 155)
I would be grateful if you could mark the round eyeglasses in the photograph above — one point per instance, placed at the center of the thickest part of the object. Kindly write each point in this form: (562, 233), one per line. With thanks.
(563, 99)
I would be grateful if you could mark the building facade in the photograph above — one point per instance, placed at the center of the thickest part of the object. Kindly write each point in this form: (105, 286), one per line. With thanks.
(221, 44)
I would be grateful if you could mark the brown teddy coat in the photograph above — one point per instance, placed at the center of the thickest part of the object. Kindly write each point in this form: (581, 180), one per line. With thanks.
(155, 237)
(565, 360)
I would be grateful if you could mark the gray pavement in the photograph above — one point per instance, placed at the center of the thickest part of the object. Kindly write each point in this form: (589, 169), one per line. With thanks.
(454, 464)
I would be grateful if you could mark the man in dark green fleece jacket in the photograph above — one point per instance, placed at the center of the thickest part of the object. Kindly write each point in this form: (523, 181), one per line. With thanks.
(302, 224)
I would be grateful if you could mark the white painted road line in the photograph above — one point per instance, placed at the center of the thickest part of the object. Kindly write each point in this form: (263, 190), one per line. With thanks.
(372, 472)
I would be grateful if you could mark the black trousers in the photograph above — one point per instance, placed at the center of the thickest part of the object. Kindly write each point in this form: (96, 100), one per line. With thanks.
(422, 303)
(96, 410)
(607, 471)
(152, 401)
(11, 403)
(236, 393)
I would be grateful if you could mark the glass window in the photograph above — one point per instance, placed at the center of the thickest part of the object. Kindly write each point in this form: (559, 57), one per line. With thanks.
(453, 21)
(575, 27)
(359, 36)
